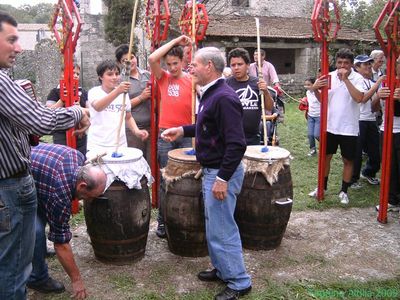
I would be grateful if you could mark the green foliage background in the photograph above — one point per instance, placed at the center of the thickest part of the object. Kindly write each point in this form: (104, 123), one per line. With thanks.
(360, 14)
(39, 13)
(118, 20)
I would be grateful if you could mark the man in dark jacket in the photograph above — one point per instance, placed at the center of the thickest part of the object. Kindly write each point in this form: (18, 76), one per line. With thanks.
(220, 145)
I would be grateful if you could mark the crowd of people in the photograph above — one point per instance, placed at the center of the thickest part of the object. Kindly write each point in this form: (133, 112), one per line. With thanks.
(356, 99)
(37, 185)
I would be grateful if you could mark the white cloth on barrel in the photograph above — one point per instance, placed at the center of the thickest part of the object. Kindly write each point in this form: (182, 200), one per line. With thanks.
(129, 168)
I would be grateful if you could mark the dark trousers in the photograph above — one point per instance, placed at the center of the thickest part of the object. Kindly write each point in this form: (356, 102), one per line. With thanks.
(368, 139)
(394, 185)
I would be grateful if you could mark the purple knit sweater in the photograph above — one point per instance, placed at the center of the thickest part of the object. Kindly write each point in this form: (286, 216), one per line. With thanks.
(220, 141)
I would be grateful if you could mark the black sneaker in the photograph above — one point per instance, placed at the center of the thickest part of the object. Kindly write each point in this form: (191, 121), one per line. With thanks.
(229, 294)
(371, 180)
(160, 232)
(209, 275)
(50, 286)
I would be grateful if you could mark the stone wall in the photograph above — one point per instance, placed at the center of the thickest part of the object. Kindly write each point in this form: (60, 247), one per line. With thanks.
(279, 8)
(48, 67)
(93, 49)
(276, 8)
(41, 67)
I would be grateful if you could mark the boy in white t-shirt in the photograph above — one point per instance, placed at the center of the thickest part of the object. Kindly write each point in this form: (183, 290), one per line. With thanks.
(105, 105)
(344, 98)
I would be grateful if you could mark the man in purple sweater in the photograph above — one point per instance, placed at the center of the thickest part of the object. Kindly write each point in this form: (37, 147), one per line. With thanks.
(220, 145)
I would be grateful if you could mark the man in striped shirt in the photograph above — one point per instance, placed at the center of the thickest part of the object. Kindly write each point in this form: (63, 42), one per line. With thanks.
(19, 117)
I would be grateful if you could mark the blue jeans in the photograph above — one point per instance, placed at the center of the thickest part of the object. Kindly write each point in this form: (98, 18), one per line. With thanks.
(222, 232)
(313, 128)
(40, 272)
(163, 148)
(17, 235)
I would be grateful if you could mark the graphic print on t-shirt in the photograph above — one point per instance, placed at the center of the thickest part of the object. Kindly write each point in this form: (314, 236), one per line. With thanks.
(248, 94)
(248, 97)
(114, 107)
(173, 90)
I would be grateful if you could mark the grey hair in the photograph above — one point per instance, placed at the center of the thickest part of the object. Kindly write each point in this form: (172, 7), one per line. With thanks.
(214, 55)
(85, 174)
(375, 53)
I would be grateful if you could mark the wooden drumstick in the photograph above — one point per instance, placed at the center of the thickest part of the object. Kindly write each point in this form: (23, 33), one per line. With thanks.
(96, 158)
(116, 154)
(260, 76)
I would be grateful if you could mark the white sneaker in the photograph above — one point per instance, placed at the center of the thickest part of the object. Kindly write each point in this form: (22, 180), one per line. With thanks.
(344, 199)
(312, 152)
(391, 207)
(314, 193)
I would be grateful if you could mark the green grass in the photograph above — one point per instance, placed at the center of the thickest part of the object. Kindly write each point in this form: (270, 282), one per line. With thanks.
(293, 137)
(77, 219)
(304, 290)
(123, 282)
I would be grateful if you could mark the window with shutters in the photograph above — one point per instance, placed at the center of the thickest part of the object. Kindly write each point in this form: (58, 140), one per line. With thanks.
(241, 3)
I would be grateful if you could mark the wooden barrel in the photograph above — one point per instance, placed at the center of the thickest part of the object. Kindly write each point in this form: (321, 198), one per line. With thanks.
(118, 221)
(264, 204)
(184, 206)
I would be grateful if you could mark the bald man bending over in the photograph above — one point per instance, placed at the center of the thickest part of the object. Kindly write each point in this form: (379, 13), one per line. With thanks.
(59, 177)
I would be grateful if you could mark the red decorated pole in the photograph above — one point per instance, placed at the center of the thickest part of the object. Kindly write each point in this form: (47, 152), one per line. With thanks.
(322, 20)
(389, 17)
(157, 24)
(69, 86)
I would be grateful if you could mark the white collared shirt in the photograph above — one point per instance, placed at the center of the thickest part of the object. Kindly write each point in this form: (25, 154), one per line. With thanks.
(343, 110)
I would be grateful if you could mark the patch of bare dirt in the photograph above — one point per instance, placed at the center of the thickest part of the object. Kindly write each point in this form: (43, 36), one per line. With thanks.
(324, 246)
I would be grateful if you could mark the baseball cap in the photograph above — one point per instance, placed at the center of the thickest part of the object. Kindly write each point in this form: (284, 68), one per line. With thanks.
(362, 59)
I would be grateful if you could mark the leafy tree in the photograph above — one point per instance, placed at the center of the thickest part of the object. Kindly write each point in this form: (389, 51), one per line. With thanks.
(118, 20)
(39, 13)
(359, 14)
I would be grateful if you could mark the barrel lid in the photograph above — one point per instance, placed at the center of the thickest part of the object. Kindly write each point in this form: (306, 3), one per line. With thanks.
(273, 153)
(181, 155)
(129, 154)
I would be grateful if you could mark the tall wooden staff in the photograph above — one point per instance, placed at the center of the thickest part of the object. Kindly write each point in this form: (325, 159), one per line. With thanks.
(157, 23)
(127, 68)
(193, 22)
(69, 86)
(194, 15)
(260, 76)
(392, 51)
(324, 31)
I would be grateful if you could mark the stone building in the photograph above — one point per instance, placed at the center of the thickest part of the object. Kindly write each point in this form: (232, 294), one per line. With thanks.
(31, 34)
(93, 48)
(285, 31)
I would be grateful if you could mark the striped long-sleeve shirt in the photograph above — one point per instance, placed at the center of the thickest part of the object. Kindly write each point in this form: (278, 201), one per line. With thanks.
(20, 116)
